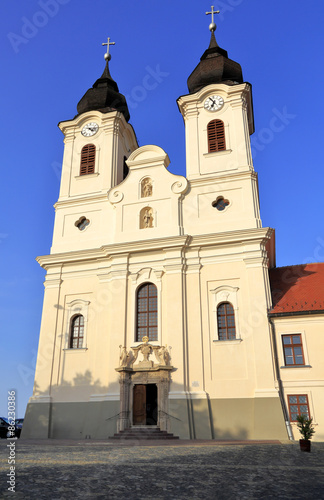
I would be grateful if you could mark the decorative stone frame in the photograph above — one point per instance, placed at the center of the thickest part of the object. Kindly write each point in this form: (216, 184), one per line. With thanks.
(144, 372)
(75, 307)
(146, 275)
(225, 293)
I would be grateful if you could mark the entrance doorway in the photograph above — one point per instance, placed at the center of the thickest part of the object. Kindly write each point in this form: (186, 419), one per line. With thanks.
(145, 404)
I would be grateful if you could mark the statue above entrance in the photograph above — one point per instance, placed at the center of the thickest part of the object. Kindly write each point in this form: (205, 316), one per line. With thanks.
(128, 359)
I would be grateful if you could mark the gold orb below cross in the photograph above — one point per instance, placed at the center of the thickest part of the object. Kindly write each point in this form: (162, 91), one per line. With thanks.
(145, 339)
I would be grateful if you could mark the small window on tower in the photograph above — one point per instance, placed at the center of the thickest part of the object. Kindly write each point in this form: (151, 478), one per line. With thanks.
(88, 156)
(220, 204)
(216, 136)
(82, 223)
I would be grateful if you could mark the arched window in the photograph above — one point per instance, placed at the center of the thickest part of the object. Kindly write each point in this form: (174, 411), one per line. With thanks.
(216, 136)
(88, 156)
(146, 308)
(77, 332)
(226, 321)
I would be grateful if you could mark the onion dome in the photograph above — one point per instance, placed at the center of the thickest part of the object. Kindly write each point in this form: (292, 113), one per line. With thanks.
(214, 67)
(104, 96)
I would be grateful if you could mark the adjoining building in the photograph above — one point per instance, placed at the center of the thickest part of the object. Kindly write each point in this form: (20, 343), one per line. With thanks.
(163, 306)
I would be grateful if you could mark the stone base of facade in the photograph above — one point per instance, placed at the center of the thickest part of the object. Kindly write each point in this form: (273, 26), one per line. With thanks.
(237, 419)
(80, 420)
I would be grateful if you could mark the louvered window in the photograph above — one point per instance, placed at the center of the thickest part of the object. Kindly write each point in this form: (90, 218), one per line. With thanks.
(88, 156)
(216, 136)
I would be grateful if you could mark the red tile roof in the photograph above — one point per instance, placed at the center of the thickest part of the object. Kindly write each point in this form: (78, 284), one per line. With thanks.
(297, 288)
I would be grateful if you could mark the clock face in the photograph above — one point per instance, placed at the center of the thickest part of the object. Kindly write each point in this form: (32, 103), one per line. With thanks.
(214, 103)
(90, 129)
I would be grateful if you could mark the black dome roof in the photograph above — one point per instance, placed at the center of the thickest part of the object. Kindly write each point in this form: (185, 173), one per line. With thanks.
(214, 67)
(104, 96)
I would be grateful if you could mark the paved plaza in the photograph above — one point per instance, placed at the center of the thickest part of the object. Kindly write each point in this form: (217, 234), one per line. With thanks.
(56, 470)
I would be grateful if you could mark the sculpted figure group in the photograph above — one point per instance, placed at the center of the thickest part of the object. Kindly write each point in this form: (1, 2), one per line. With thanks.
(127, 359)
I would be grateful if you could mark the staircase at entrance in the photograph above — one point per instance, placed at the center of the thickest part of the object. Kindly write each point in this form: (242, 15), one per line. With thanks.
(139, 432)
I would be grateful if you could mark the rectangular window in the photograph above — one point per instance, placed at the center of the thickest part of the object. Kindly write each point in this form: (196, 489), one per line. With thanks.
(298, 405)
(293, 350)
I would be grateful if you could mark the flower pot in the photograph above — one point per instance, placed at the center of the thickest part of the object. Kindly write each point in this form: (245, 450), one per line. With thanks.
(305, 445)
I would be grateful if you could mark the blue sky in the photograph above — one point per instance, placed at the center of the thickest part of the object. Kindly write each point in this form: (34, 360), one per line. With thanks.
(51, 54)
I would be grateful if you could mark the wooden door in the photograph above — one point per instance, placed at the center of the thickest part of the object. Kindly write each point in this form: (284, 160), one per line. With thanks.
(139, 404)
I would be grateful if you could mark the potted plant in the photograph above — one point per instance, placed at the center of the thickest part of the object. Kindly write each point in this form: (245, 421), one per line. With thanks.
(306, 428)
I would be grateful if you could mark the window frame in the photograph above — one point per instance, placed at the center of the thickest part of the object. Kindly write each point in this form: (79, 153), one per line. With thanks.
(137, 278)
(292, 331)
(226, 315)
(298, 405)
(216, 139)
(74, 308)
(218, 295)
(147, 311)
(292, 346)
(86, 163)
(79, 338)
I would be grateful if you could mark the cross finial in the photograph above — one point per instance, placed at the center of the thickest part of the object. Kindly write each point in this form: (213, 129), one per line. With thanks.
(107, 55)
(212, 25)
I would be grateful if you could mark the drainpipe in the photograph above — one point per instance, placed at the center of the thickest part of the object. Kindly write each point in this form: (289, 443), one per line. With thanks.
(280, 386)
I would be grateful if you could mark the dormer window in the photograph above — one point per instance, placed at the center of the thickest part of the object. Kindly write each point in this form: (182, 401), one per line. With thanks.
(216, 136)
(88, 156)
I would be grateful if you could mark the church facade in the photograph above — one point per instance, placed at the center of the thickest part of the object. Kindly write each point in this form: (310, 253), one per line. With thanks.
(158, 308)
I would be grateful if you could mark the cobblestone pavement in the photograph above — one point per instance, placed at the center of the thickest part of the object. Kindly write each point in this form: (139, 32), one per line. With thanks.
(64, 470)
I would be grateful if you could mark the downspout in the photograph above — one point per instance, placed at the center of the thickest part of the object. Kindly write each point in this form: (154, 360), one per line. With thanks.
(280, 386)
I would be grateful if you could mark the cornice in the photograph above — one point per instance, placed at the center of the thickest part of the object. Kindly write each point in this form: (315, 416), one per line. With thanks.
(77, 200)
(108, 251)
(79, 120)
(228, 177)
(163, 244)
(229, 90)
(232, 237)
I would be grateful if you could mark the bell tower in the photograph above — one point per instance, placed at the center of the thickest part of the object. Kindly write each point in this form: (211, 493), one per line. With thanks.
(218, 117)
(98, 141)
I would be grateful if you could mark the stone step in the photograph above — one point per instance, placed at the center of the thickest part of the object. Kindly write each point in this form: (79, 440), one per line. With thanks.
(150, 434)
(143, 433)
(142, 438)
